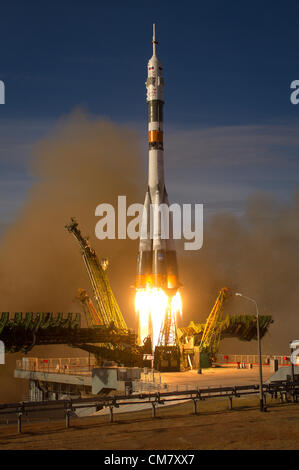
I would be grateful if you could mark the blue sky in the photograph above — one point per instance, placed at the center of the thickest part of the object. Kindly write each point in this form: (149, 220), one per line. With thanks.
(230, 129)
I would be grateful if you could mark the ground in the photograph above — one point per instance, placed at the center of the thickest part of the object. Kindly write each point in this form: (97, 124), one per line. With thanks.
(175, 427)
(215, 377)
(245, 427)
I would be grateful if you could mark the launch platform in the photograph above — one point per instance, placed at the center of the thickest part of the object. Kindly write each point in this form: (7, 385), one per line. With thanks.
(59, 378)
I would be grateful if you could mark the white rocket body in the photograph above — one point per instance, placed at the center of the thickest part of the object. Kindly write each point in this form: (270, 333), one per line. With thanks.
(157, 264)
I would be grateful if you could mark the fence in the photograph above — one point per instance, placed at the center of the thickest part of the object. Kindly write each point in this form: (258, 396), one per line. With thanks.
(251, 359)
(72, 365)
(83, 365)
(275, 389)
(151, 381)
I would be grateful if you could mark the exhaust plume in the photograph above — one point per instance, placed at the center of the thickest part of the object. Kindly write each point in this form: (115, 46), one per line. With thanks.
(84, 163)
(257, 255)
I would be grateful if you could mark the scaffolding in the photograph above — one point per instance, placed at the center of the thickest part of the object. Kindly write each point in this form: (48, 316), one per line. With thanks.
(106, 306)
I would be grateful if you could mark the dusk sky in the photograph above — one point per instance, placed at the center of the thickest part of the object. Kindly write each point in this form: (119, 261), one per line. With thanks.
(230, 128)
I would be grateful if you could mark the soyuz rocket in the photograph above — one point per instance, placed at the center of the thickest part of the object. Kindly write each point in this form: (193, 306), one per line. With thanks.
(157, 260)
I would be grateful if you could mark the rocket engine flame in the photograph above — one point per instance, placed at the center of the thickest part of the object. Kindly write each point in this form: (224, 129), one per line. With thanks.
(152, 304)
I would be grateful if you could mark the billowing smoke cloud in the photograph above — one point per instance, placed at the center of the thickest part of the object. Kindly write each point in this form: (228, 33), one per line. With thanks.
(256, 255)
(84, 163)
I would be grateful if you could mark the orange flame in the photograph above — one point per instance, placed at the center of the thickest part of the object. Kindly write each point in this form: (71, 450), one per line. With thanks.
(151, 305)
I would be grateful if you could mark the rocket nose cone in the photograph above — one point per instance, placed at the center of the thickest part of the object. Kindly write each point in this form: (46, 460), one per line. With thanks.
(154, 62)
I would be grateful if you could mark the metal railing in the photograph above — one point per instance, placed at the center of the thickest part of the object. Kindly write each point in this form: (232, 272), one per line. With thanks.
(281, 389)
(251, 359)
(83, 365)
(72, 366)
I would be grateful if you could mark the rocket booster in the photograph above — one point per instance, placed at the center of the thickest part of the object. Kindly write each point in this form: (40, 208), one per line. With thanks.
(157, 261)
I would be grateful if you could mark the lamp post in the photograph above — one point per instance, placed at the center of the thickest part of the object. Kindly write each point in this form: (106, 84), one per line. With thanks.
(259, 349)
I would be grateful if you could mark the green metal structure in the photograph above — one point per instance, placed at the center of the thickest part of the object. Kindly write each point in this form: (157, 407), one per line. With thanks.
(106, 305)
(217, 327)
(211, 335)
(30, 321)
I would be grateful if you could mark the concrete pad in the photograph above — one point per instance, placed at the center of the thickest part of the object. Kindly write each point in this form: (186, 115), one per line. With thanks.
(282, 372)
(214, 377)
